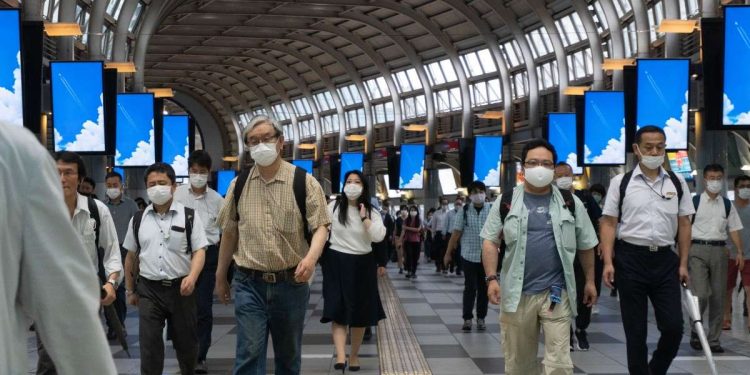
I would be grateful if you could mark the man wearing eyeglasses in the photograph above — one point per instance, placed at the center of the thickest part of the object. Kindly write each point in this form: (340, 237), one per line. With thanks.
(264, 232)
(652, 207)
(544, 228)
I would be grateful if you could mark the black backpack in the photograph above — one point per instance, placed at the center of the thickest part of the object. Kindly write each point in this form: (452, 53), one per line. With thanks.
(298, 185)
(624, 186)
(189, 219)
(94, 214)
(697, 201)
(505, 203)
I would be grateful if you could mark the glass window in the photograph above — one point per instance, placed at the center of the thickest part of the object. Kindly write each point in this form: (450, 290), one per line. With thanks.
(402, 81)
(494, 91)
(471, 64)
(547, 75)
(436, 75)
(599, 16)
(442, 102)
(82, 17)
(520, 85)
(301, 107)
(413, 107)
(570, 29)
(258, 111)
(383, 113)
(479, 94)
(512, 53)
(488, 63)
(622, 7)
(114, 7)
(280, 112)
(355, 118)
(416, 83)
(420, 105)
(377, 88)
(136, 16)
(450, 73)
(692, 7)
(288, 133)
(107, 41)
(630, 39)
(324, 100)
(350, 95)
(330, 124)
(306, 129)
(539, 40)
(49, 9)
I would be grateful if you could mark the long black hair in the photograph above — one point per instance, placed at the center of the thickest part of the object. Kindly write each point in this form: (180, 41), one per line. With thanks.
(342, 202)
(414, 222)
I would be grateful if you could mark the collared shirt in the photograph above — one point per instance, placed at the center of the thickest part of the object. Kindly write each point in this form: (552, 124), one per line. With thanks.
(121, 214)
(271, 237)
(571, 235)
(353, 238)
(449, 216)
(45, 273)
(206, 205)
(710, 223)
(744, 214)
(163, 241)
(439, 219)
(471, 243)
(647, 218)
(85, 228)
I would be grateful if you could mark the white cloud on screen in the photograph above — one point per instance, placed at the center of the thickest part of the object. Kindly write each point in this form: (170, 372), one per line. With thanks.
(58, 139)
(493, 176)
(415, 182)
(573, 161)
(676, 130)
(144, 152)
(741, 119)
(613, 153)
(11, 102)
(180, 162)
(91, 137)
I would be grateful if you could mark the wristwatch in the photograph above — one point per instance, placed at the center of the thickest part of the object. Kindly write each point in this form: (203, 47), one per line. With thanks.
(113, 283)
(490, 278)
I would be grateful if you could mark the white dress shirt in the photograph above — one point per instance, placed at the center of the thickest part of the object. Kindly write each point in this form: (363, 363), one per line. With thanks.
(354, 238)
(449, 216)
(45, 273)
(85, 228)
(164, 242)
(647, 218)
(710, 223)
(439, 221)
(206, 205)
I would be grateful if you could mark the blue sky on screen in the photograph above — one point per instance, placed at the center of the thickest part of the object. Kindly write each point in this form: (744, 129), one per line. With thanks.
(562, 135)
(736, 72)
(121, 171)
(11, 100)
(412, 167)
(176, 145)
(487, 154)
(224, 178)
(135, 130)
(304, 164)
(350, 161)
(604, 130)
(663, 98)
(77, 107)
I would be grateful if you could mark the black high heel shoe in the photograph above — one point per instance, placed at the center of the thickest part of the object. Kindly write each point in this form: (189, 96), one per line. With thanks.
(354, 368)
(342, 367)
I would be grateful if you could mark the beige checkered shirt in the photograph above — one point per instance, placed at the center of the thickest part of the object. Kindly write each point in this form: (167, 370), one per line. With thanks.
(270, 226)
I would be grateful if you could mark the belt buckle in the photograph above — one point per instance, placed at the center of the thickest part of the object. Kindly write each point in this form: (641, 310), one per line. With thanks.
(269, 278)
(166, 282)
(653, 248)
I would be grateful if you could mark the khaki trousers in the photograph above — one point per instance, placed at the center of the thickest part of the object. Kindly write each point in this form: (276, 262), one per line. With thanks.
(708, 275)
(520, 336)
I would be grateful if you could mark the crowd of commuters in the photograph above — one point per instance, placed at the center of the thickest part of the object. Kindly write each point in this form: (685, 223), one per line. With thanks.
(541, 251)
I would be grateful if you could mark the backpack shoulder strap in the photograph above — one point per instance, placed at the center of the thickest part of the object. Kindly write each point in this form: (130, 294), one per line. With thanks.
(623, 188)
(136, 227)
(466, 209)
(505, 200)
(300, 192)
(569, 201)
(677, 185)
(239, 186)
(696, 203)
(727, 207)
(94, 214)
(189, 219)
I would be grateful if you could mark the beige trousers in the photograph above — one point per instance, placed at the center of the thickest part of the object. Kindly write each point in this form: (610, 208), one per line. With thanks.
(520, 336)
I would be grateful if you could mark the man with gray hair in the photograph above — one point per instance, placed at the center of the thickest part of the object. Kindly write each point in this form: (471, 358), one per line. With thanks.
(265, 220)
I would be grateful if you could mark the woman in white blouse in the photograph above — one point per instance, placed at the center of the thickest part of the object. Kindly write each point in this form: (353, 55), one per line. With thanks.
(350, 286)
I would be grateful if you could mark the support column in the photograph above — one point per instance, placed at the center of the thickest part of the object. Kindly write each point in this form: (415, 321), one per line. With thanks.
(710, 148)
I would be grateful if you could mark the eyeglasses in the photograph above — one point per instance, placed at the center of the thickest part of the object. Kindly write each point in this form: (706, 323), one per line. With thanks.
(256, 141)
(533, 163)
(67, 173)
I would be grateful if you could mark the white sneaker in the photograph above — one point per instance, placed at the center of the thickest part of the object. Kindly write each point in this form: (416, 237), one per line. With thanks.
(595, 310)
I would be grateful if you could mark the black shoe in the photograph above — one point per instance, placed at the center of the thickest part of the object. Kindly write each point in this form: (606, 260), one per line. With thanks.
(340, 366)
(400, 271)
(717, 349)
(613, 293)
(368, 334)
(695, 342)
(408, 275)
(111, 335)
(414, 276)
(354, 368)
(458, 273)
(572, 344)
(201, 368)
(583, 341)
(467, 325)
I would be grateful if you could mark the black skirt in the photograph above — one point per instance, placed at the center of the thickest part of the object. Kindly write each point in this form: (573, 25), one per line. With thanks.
(350, 290)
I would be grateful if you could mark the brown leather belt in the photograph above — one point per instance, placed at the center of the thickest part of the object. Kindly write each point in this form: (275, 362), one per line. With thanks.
(269, 277)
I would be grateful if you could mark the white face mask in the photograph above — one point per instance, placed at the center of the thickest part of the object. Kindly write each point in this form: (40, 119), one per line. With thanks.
(651, 162)
(744, 193)
(478, 198)
(264, 153)
(159, 194)
(113, 193)
(714, 186)
(539, 176)
(413, 213)
(198, 180)
(353, 191)
(564, 183)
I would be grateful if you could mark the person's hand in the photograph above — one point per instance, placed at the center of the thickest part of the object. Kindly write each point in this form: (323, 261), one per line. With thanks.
(448, 258)
(304, 270)
(221, 289)
(381, 271)
(599, 252)
(187, 286)
(133, 299)
(362, 211)
(589, 294)
(740, 261)
(608, 275)
(110, 294)
(684, 275)
(493, 292)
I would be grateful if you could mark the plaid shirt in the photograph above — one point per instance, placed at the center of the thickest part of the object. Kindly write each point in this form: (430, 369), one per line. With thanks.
(270, 227)
(471, 243)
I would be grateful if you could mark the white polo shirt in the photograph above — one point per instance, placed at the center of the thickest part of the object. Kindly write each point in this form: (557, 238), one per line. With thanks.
(206, 205)
(85, 229)
(710, 223)
(164, 242)
(647, 218)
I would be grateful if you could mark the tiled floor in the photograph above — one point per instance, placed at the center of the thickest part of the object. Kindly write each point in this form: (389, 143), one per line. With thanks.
(433, 305)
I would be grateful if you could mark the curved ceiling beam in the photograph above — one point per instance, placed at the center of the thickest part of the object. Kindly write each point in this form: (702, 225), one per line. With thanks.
(641, 27)
(250, 85)
(65, 44)
(180, 73)
(120, 40)
(218, 120)
(226, 86)
(672, 40)
(615, 39)
(207, 100)
(32, 10)
(96, 21)
(507, 15)
(595, 42)
(540, 8)
(151, 19)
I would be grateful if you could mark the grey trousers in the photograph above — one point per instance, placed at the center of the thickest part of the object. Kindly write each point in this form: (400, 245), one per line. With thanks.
(708, 279)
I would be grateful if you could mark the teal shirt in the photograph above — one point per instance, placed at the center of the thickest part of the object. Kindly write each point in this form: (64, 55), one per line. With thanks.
(571, 235)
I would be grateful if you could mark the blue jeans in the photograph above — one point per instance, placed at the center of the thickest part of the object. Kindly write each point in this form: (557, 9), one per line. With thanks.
(261, 308)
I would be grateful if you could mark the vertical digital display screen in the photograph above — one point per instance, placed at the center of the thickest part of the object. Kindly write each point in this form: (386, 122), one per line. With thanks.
(736, 72)
(135, 146)
(447, 182)
(304, 164)
(78, 105)
(488, 154)
(11, 87)
(350, 161)
(662, 98)
(176, 145)
(679, 162)
(562, 132)
(604, 128)
(411, 167)
(224, 178)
